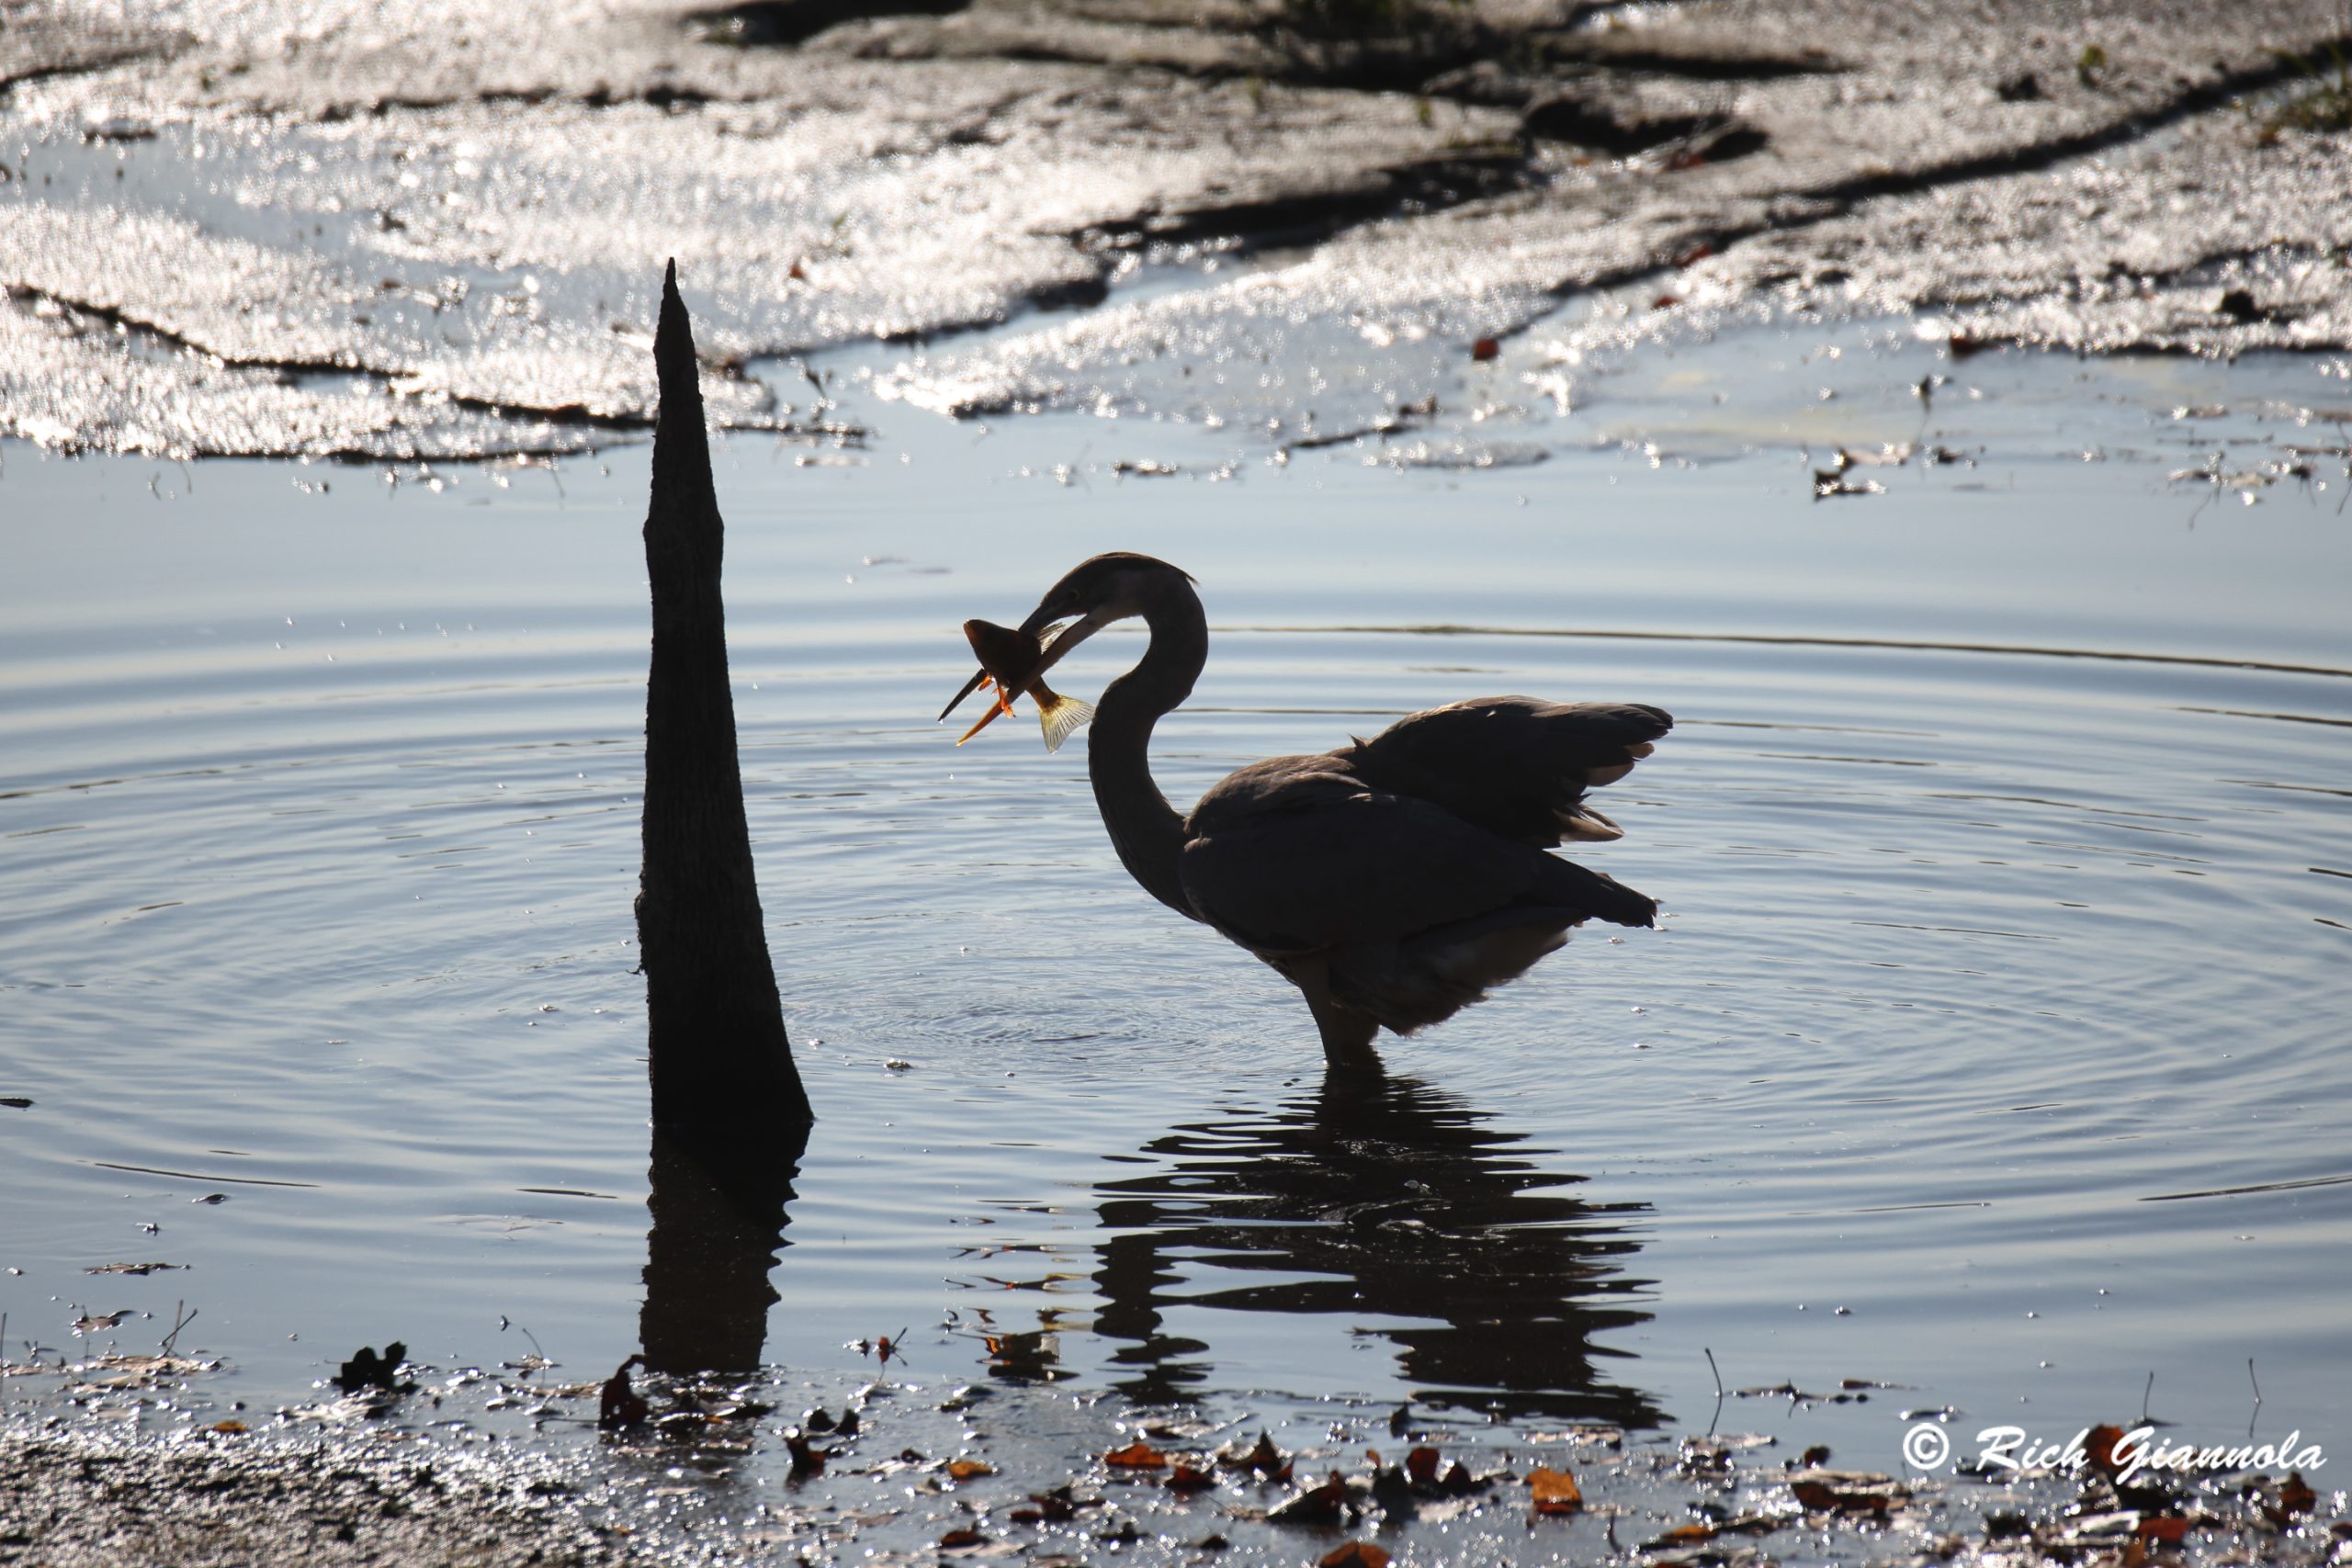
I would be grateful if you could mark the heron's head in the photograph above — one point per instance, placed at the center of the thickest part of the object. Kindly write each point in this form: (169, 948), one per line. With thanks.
(1090, 595)
(1096, 592)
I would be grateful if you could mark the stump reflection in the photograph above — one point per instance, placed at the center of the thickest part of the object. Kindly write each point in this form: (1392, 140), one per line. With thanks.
(718, 1223)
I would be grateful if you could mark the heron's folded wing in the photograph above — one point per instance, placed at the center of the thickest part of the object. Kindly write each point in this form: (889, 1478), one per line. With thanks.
(1515, 766)
(1295, 854)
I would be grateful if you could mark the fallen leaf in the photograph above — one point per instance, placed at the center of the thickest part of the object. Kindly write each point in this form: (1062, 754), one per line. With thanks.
(1187, 1479)
(230, 1427)
(1421, 1466)
(1486, 348)
(1353, 1554)
(2295, 1496)
(1317, 1505)
(969, 1469)
(1815, 1456)
(368, 1370)
(1265, 1458)
(956, 1540)
(1136, 1456)
(619, 1405)
(1845, 1491)
(2168, 1531)
(141, 1269)
(1556, 1492)
(2099, 1448)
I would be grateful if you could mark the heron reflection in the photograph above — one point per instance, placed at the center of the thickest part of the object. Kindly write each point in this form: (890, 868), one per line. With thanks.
(1381, 1200)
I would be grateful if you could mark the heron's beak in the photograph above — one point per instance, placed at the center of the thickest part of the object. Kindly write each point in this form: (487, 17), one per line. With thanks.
(1069, 636)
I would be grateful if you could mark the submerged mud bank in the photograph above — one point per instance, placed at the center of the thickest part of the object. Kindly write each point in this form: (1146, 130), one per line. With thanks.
(264, 229)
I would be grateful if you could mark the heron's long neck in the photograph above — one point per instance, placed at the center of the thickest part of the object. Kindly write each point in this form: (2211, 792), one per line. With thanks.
(1148, 833)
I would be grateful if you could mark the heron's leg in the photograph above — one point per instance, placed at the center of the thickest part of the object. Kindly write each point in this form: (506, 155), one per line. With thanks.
(1346, 1037)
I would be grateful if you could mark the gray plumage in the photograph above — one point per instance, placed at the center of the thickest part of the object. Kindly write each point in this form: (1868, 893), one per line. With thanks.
(1395, 881)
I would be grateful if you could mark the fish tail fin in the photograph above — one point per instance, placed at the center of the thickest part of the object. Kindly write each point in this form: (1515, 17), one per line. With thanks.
(1062, 717)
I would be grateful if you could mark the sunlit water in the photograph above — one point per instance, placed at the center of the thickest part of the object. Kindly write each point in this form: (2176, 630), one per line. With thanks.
(1992, 1046)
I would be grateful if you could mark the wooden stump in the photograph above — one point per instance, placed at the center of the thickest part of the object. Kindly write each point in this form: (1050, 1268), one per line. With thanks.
(720, 1061)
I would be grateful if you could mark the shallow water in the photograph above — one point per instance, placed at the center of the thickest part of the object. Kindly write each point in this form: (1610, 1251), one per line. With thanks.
(1990, 1048)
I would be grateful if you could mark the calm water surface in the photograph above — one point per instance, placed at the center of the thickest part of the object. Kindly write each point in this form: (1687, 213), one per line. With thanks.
(1992, 1047)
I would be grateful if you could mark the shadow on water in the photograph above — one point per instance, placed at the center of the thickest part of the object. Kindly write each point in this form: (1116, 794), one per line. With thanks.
(1387, 1201)
(717, 1225)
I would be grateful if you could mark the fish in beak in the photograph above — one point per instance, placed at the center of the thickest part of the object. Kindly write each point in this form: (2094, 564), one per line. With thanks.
(1013, 662)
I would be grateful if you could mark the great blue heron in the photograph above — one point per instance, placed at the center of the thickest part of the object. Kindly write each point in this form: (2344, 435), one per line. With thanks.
(1395, 881)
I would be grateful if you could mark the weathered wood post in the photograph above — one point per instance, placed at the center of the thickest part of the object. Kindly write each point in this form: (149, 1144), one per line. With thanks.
(720, 1061)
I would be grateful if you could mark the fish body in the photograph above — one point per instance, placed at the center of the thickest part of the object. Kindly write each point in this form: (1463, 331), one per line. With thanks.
(1013, 663)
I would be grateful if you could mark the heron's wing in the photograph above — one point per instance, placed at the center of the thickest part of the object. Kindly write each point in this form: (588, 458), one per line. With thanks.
(1392, 910)
(1297, 853)
(1518, 767)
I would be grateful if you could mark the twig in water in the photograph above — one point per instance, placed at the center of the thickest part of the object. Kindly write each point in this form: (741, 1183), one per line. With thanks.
(178, 1323)
(1719, 1391)
(506, 1322)
(2144, 1394)
(2256, 1414)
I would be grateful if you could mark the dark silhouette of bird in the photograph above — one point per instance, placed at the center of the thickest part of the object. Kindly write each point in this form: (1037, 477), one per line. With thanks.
(1393, 881)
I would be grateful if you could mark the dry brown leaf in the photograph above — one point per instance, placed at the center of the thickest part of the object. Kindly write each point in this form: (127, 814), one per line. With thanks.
(1354, 1554)
(1136, 1456)
(967, 1469)
(1844, 1490)
(1265, 1458)
(1556, 1492)
(1317, 1505)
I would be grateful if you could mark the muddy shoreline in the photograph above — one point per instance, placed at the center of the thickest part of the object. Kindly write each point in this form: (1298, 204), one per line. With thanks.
(279, 230)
